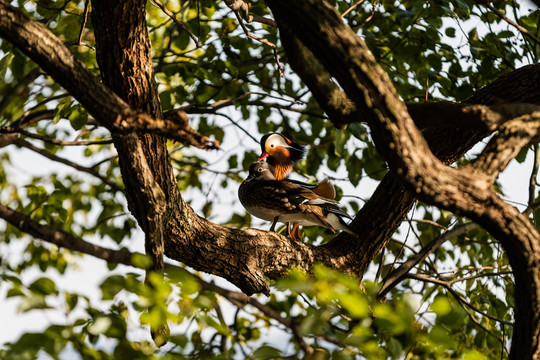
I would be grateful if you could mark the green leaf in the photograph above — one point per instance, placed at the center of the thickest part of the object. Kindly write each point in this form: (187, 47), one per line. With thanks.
(112, 286)
(32, 302)
(266, 352)
(14, 291)
(78, 117)
(100, 325)
(441, 306)
(522, 155)
(63, 109)
(141, 261)
(43, 286)
(450, 32)
(355, 304)
(71, 301)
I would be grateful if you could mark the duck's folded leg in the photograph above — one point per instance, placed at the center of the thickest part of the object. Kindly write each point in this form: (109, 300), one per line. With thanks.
(273, 227)
(295, 232)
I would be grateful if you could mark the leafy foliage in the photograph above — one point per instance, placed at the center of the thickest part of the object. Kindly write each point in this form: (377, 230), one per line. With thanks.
(457, 303)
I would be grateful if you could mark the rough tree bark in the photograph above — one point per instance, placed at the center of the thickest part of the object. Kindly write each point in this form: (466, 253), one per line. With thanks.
(246, 257)
(467, 191)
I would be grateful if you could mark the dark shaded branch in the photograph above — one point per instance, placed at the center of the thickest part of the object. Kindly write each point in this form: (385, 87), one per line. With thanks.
(347, 58)
(13, 130)
(13, 92)
(483, 118)
(61, 238)
(511, 22)
(506, 144)
(176, 21)
(396, 276)
(458, 297)
(243, 8)
(42, 46)
(54, 57)
(175, 126)
(339, 108)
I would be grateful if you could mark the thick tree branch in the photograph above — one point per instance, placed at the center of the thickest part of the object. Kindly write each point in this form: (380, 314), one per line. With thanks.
(335, 103)
(479, 117)
(346, 57)
(62, 239)
(209, 247)
(54, 57)
(175, 126)
(506, 144)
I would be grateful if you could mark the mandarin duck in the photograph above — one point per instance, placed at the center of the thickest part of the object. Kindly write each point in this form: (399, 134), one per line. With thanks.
(281, 153)
(285, 201)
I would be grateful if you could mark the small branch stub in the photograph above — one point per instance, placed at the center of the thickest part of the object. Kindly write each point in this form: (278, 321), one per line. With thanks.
(175, 126)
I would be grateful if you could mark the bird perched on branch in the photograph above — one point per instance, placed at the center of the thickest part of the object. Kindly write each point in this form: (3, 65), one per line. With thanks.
(267, 198)
(281, 153)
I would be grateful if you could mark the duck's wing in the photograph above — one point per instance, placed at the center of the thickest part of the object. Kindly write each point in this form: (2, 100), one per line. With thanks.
(304, 196)
(299, 194)
(337, 210)
(323, 189)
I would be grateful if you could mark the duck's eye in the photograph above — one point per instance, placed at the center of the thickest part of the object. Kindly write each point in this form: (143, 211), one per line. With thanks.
(272, 145)
(260, 169)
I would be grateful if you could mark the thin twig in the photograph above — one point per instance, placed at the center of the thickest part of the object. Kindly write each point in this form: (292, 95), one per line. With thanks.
(404, 243)
(17, 89)
(85, 18)
(268, 311)
(243, 8)
(225, 102)
(89, 170)
(381, 264)
(363, 23)
(429, 222)
(240, 300)
(532, 179)
(476, 276)
(176, 21)
(63, 239)
(398, 274)
(13, 130)
(261, 40)
(251, 35)
(239, 127)
(511, 22)
(43, 102)
(477, 323)
(458, 297)
(351, 8)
